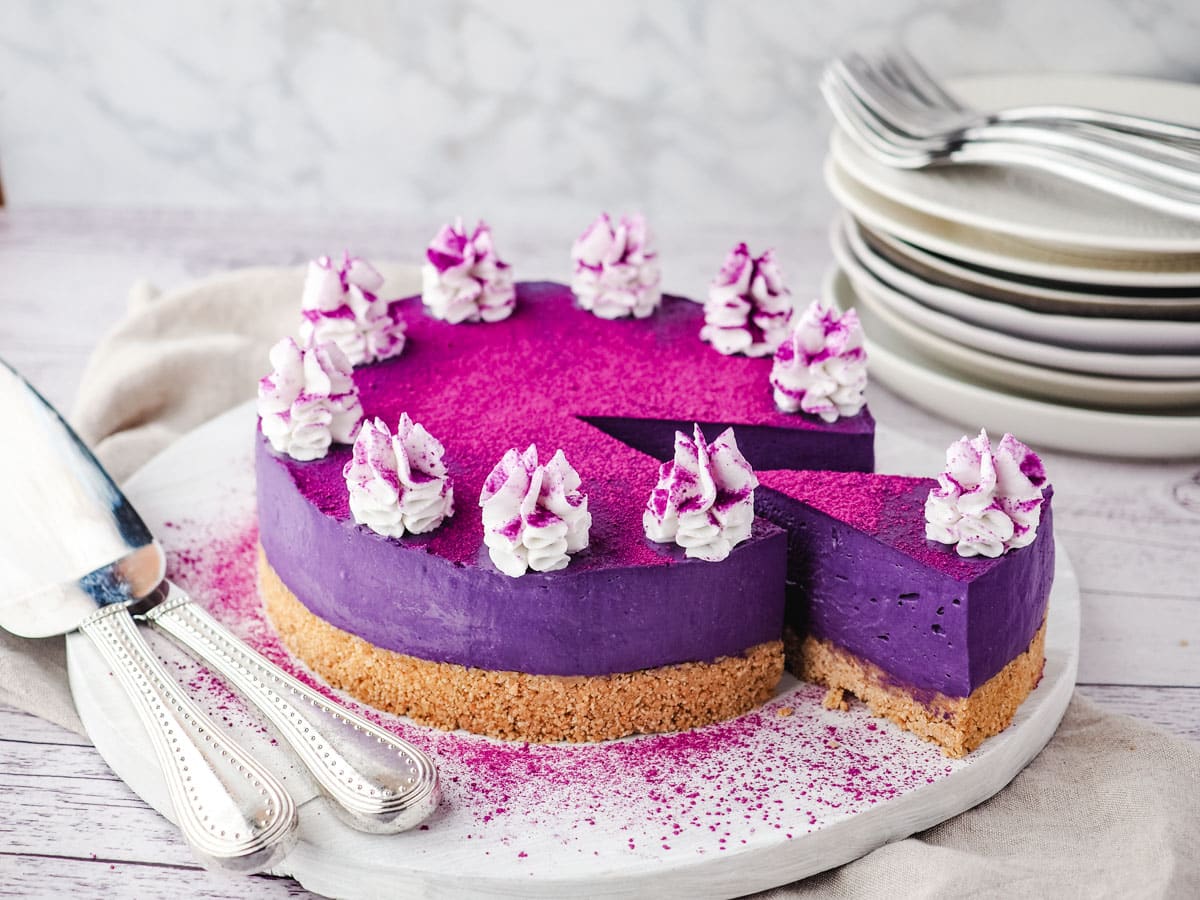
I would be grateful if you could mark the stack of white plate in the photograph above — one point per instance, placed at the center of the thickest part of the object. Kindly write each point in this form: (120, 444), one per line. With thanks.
(1011, 299)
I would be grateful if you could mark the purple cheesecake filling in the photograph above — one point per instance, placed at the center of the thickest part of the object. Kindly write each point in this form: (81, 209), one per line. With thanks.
(557, 376)
(864, 577)
(578, 621)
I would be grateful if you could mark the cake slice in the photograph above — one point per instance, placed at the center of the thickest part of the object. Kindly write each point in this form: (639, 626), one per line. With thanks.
(945, 646)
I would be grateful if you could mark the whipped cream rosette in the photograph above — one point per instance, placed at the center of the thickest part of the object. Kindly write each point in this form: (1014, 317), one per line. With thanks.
(340, 305)
(748, 309)
(821, 366)
(463, 279)
(704, 499)
(616, 268)
(309, 400)
(534, 516)
(988, 500)
(398, 483)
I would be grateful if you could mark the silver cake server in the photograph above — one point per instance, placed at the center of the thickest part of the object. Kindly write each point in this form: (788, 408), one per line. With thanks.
(74, 555)
(375, 781)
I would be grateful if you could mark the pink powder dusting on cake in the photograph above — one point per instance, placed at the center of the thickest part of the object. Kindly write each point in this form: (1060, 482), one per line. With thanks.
(858, 498)
(483, 388)
(890, 508)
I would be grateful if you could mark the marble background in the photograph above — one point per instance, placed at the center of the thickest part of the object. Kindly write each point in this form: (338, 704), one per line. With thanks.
(701, 113)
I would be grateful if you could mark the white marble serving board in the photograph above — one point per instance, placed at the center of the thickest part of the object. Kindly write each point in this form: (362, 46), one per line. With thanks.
(758, 801)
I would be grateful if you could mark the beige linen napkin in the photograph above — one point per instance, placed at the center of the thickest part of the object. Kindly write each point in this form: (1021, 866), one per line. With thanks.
(1111, 807)
(177, 360)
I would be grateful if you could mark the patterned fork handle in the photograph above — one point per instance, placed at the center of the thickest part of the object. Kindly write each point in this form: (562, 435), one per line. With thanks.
(235, 815)
(377, 782)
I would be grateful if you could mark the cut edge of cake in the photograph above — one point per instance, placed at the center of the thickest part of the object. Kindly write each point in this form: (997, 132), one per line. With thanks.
(957, 724)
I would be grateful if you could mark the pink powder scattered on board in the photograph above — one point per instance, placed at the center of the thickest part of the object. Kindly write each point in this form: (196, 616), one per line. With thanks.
(704, 790)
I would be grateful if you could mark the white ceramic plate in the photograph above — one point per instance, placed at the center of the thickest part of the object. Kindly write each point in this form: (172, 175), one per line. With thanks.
(972, 402)
(1074, 388)
(1004, 252)
(1128, 335)
(721, 811)
(1032, 205)
(1037, 295)
(998, 343)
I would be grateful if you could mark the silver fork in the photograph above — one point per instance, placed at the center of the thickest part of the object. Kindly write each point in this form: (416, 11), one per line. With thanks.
(907, 74)
(921, 118)
(886, 141)
(928, 109)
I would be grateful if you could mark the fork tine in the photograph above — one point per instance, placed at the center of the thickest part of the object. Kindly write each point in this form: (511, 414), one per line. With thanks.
(893, 79)
(857, 100)
(887, 80)
(873, 135)
(922, 82)
(901, 85)
(898, 106)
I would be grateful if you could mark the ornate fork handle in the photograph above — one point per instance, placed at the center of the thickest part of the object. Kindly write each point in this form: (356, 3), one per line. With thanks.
(235, 815)
(377, 782)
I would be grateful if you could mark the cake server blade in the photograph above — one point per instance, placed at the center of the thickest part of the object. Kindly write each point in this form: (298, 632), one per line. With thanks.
(66, 517)
(75, 555)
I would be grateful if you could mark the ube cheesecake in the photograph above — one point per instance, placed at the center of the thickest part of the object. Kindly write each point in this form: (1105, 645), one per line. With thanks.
(548, 512)
(945, 645)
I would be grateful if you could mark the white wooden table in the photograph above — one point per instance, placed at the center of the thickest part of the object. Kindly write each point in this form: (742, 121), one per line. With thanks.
(68, 826)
